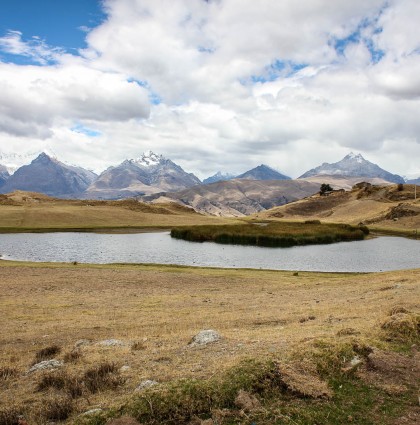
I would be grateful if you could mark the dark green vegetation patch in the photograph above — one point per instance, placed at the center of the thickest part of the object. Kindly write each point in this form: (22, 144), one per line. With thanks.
(272, 234)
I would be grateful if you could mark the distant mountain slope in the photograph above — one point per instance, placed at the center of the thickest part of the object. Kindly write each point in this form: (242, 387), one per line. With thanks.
(4, 174)
(344, 182)
(148, 174)
(50, 176)
(239, 197)
(263, 172)
(353, 166)
(218, 177)
(414, 181)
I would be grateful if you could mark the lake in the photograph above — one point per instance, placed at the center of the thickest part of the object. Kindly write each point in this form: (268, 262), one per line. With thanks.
(379, 254)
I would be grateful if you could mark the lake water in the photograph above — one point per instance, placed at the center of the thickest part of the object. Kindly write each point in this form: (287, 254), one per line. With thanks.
(379, 254)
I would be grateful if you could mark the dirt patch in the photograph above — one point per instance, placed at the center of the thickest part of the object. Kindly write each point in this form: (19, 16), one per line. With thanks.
(402, 210)
(392, 372)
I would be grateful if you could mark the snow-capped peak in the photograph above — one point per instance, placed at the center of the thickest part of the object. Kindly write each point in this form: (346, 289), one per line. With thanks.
(148, 159)
(12, 161)
(358, 157)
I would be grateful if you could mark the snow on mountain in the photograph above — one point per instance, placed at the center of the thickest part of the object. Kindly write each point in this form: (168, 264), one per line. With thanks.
(150, 173)
(219, 176)
(148, 159)
(12, 161)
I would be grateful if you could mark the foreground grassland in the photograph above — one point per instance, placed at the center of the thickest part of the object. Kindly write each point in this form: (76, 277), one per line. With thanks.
(283, 234)
(24, 211)
(288, 340)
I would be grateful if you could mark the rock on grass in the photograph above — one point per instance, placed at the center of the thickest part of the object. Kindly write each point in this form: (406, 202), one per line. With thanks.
(45, 365)
(205, 337)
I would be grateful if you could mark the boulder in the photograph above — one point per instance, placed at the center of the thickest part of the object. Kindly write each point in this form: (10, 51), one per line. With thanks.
(205, 337)
(45, 365)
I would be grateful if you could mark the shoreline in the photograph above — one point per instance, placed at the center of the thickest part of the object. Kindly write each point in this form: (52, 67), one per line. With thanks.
(171, 267)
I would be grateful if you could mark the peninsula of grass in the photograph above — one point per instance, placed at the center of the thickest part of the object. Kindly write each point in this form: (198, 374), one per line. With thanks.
(274, 234)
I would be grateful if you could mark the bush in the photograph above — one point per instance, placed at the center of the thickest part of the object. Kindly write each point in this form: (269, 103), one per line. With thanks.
(57, 408)
(61, 381)
(103, 376)
(47, 353)
(9, 415)
(7, 373)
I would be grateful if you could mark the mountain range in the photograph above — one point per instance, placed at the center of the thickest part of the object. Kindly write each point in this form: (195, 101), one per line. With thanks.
(238, 197)
(153, 177)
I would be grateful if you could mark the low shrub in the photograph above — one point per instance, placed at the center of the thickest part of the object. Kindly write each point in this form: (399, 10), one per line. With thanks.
(47, 353)
(103, 376)
(72, 356)
(56, 408)
(9, 415)
(72, 385)
(7, 372)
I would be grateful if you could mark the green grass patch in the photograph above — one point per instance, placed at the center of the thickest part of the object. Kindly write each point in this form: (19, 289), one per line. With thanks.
(178, 402)
(272, 234)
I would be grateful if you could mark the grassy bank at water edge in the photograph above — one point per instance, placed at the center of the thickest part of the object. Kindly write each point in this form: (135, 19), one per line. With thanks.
(273, 234)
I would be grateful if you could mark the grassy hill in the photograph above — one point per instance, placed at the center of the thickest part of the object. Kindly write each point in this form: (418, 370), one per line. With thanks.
(21, 211)
(390, 207)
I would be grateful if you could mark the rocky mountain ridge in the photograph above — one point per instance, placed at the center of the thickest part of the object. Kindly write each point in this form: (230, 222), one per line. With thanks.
(148, 174)
(238, 197)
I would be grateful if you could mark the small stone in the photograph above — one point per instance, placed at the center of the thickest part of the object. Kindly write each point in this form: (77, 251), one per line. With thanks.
(45, 365)
(123, 420)
(81, 343)
(112, 343)
(352, 364)
(125, 368)
(148, 383)
(355, 361)
(205, 337)
(91, 412)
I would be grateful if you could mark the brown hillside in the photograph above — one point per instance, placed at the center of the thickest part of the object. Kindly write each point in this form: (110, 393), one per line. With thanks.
(391, 206)
(33, 211)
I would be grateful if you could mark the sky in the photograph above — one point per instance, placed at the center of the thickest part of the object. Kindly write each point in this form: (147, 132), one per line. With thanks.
(212, 84)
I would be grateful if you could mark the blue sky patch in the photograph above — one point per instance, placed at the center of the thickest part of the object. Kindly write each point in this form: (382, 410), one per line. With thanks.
(81, 129)
(57, 22)
(277, 69)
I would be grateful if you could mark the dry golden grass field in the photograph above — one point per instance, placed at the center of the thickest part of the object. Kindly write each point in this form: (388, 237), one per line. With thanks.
(33, 211)
(296, 348)
(156, 310)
